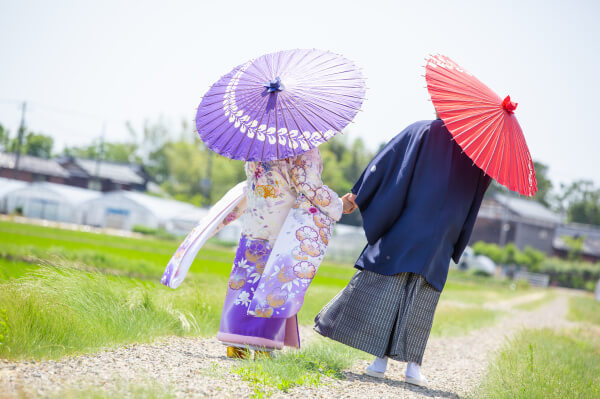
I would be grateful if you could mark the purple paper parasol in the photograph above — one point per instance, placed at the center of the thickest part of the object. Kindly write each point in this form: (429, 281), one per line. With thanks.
(280, 105)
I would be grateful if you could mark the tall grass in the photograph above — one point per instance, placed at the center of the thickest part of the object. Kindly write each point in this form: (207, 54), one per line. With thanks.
(545, 364)
(57, 311)
(106, 292)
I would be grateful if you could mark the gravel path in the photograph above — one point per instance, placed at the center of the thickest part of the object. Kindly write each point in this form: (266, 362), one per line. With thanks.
(198, 368)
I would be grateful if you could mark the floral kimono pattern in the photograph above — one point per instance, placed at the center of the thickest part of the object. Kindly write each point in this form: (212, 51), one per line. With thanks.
(293, 262)
(288, 222)
(237, 326)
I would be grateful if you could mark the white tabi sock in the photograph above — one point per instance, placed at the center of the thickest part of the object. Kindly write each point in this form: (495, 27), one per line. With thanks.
(413, 370)
(379, 365)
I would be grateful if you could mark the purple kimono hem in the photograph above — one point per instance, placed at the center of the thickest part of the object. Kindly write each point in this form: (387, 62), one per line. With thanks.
(237, 325)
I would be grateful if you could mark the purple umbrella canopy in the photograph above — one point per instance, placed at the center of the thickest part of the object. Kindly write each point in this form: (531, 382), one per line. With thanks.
(280, 105)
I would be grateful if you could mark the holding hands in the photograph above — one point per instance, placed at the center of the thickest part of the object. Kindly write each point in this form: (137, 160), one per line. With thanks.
(349, 204)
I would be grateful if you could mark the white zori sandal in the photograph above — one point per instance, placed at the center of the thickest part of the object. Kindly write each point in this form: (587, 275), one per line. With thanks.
(413, 375)
(377, 368)
(372, 373)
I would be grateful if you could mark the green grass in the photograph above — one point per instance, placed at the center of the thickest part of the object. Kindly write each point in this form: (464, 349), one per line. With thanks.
(532, 305)
(58, 311)
(584, 309)
(545, 364)
(11, 269)
(293, 368)
(69, 292)
(469, 289)
(452, 320)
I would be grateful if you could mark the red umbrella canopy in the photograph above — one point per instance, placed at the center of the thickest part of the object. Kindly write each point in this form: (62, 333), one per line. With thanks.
(482, 123)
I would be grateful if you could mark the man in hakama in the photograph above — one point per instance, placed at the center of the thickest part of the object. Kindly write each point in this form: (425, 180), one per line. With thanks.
(419, 198)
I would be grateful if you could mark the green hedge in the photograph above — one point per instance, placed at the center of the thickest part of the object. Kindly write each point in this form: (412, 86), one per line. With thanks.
(564, 273)
(571, 274)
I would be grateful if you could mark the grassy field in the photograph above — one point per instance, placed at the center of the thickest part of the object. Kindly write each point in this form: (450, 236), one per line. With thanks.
(67, 292)
(548, 297)
(584, 309)
(546, 364)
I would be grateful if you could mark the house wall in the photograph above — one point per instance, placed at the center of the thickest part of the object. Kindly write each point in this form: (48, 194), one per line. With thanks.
(21, 175)
(29, 177)
(488, 230)
(538, 237)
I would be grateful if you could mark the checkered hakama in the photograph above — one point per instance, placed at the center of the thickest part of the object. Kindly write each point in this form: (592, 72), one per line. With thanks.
(382, 315)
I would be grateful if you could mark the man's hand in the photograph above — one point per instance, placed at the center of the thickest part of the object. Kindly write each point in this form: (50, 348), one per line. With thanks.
(349, 204)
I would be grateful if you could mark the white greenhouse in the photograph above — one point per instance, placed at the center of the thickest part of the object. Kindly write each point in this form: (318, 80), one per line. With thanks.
(126, 209)
(7, 186)
(49, 201)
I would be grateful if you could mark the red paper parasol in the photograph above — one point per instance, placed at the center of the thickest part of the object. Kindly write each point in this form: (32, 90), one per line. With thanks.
(482, 124)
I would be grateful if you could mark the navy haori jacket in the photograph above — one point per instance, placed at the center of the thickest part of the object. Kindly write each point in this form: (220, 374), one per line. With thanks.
(419, 198)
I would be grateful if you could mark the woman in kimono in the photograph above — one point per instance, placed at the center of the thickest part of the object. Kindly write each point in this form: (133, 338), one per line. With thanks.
(273, 267)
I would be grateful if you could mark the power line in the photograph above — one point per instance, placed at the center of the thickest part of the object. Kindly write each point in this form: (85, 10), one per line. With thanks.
(54, 108)
(67, 111)
(10, 101)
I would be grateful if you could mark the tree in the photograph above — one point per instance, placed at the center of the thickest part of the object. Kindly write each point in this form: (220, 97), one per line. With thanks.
(4, 139)
(575, 245)
(35, 144)
(124, 152)
(544, 185)
(152, 143)
(581, 201)
(38, 145)
(544, 193)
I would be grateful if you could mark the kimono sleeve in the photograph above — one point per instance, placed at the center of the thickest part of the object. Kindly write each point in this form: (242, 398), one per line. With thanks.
(382, 188)
(305, 174)
(467, 229)
(231, 216)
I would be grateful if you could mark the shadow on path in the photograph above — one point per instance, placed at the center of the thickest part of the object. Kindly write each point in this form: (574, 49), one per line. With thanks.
(429, 392)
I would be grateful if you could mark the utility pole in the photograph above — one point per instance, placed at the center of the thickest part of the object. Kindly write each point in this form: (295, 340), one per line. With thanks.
(20, 140)
(99, 155)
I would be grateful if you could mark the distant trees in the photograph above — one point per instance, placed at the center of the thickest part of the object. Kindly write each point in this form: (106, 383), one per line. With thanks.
(182, 165)
(544, 193)
(114, 152)
(4, 139)
(581, 201)
(35, 144)
(544, 184)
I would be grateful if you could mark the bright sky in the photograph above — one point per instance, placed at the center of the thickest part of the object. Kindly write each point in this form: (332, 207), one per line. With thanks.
(79, 63)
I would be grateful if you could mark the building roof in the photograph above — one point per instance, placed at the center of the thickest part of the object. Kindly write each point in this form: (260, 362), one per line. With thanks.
(114, 171)
(528, 209)
(32, 164)
(117, 172)
(591, 244)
